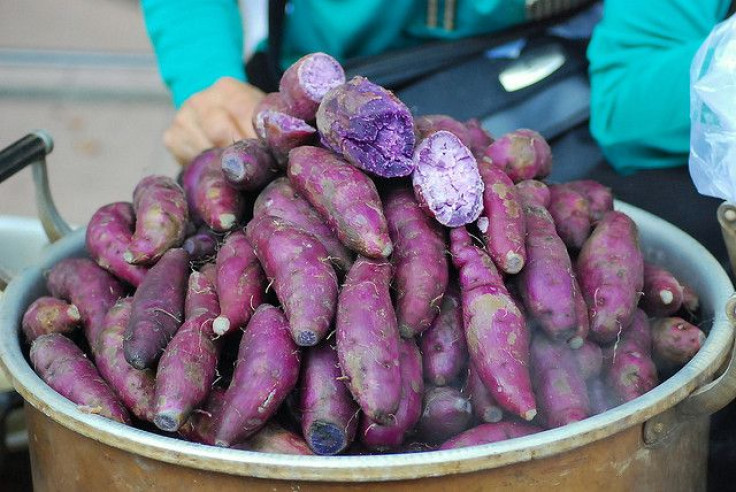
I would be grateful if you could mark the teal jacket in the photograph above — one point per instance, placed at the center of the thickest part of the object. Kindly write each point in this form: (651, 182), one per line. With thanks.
(640, 58)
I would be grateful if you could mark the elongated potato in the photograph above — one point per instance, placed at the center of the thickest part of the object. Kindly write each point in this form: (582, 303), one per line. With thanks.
(421, 269)
(304, 280)
(368, 339)
(344, 196)
(49, 315)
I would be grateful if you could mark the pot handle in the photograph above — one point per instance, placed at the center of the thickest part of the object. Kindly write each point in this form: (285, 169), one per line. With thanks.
(33, 149)
(702, 402)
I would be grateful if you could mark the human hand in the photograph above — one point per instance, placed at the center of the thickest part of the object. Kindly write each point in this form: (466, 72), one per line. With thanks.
(214, 117)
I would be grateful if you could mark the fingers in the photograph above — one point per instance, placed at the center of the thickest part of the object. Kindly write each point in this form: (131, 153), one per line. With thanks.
(214, 117)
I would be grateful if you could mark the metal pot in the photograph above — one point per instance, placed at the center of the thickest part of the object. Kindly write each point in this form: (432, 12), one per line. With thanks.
(656, 442)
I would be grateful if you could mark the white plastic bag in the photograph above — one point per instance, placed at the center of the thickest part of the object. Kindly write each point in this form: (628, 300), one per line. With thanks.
(713, 113)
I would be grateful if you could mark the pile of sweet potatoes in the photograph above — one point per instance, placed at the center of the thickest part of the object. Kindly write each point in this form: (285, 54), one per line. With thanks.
(359, 280)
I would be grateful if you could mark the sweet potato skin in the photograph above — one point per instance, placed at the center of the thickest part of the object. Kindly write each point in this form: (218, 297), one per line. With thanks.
(248, 164)
(134, 387)
(533, 191)
(502, 221)
(599, 196)
(284, 132)
(158, 309)
(522, 154)
(162, 213)
(240, 283)
(446, 180)
(346, 198)
(64, 367)
(421, 269)
(272, 438)
(547, 282)
(571, 213)
(662, 292)
(281, 199)
(558, 383)
(391, 436)
(329, 415)
(266, 372)
(445, 413)
(495, 328)
(293, 259)
(444, 350)
(209, 195)
(369, 126)
(484, 405)
(630, 369)
(86, 285)
(675, 341)
(368, 339)
(490, 433)
(108, 236)
(305, 83)
(49, 315)
(611, 274)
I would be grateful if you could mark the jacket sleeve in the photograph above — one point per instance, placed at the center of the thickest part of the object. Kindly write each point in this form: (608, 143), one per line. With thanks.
(640, 56)
(196, 42)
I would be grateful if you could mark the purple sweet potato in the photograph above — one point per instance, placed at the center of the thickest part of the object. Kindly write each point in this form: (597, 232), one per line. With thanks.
(662, 293)
(273, 101)
(600, 396)
(280, 199)
(201, 425)
(201, 297)
(490, 433)
(161, 213)
(284, 132)
(209, 195)
(600, 197)
(202, 245)
(385, 437)
(582, 323)
(630, 369)
(86, 285)
(241, 283)
(485, 407)
(534, 191)
(304, 280)
(368, 339)
(306, 82)
(135, 388)
(266, 372)
(344, 196)
(329, 415)
(590, 359)
(108, 237)
(64, 367)
(502, 221)
(478, 138)
(571, 212)
(421, 269)
(558, 383)
(428, 124)
(369, 126)
(547, 282)
(611, 274)
(444, 350)
(690, 299)
(272, 438)
(185, 373)
(445, 413)
(158, 309)
(248, 164)
(49, 315)
(522, 154)
(495, 328)
(446, 180)
(675, 341)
